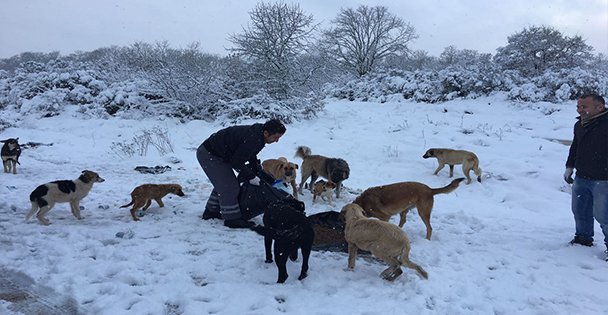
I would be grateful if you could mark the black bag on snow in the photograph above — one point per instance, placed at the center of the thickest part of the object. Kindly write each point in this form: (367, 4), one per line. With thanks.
(253, 200)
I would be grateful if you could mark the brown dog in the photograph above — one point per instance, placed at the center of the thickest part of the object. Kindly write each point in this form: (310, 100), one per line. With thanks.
(384, 240)
(143, 195)
(44, 197)
(324, 190)
(284, 170)
(451, 157)
(313, 166)
(385, 201)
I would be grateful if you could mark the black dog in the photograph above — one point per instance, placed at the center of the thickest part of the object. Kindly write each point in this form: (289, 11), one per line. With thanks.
(286, 224)
(10, 154)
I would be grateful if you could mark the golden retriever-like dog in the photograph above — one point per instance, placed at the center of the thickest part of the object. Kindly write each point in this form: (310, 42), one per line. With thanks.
(451, 157)
(324, 190)
(385, 201)
(143, 195)
(44, 197)
(284, 170)
(384, 240)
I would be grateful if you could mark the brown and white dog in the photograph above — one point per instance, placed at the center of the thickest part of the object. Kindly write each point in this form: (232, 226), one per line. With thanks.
(143, 195)
(384, 240)
(281, 169)
(10, 154)
(451, 157)
(333, 169)
(44, 197)
(324, 190)
(385, 201)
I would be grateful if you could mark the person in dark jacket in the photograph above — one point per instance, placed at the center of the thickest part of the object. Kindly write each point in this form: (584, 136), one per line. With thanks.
(230, 149)
(589, 156)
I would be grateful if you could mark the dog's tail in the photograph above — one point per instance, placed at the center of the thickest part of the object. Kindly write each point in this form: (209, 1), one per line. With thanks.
(130, 203)
(449, 188)
(303, 151)
(421, 272)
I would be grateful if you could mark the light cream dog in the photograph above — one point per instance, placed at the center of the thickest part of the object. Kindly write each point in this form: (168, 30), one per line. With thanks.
(45, 196)
(324, 190)
(284, 170)
(385, 201)
(384, 240)
(143, 195)
(451, 157)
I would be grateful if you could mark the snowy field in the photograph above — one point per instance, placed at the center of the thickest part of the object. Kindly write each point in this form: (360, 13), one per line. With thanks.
(499, 247)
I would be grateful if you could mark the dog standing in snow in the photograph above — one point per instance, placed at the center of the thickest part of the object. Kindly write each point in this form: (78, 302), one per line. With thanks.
(45, 196)
(10, 154)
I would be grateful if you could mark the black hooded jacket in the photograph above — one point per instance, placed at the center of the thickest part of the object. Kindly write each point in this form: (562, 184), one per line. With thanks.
(237, 145)
(589, 149)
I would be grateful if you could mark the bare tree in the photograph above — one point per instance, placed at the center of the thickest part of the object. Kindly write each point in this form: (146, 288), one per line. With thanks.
(538, 48)
(362, 37)
(278, 34)
(451, 56)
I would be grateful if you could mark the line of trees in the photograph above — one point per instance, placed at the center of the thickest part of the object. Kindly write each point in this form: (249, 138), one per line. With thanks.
(282, 65)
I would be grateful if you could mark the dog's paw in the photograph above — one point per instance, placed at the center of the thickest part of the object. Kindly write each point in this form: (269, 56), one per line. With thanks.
(268, 261)
(303, 275)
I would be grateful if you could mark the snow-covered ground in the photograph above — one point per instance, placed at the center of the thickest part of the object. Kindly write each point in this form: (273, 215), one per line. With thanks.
(499, 247)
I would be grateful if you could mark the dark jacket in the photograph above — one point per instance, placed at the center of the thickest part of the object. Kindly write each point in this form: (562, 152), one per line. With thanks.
(237, 145)
(589, 149)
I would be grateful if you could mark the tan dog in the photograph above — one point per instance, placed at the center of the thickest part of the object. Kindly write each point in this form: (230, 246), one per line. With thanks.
(44, 197)
(384, 240)
(324, 190)
(284, 170)
(451, 157)
(143, 195)
(333, 169)
(385, 201)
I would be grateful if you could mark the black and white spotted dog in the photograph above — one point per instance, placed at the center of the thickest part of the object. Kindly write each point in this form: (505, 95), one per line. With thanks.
(45, 196)
(10, 154)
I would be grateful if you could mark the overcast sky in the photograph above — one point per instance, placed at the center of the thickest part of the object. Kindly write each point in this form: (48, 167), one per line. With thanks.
(84, 25)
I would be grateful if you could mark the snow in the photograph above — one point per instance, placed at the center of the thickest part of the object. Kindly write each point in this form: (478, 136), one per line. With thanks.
(498, 247)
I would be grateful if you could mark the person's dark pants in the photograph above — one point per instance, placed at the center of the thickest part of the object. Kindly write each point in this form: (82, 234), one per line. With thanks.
(224, 197)
(589, 201)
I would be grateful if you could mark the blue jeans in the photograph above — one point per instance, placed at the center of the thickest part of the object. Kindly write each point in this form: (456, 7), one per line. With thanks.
(590, 200)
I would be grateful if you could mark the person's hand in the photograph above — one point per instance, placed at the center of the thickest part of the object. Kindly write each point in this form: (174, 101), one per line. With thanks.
(568, 175)
(255, 181)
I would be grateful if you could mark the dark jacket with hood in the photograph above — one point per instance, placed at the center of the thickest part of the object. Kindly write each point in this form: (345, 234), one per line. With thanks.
(237, 145)
(589, 149)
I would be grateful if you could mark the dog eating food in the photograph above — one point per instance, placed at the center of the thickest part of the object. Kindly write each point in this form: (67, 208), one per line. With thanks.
(384, 240)
(385, 201)
(143, 195)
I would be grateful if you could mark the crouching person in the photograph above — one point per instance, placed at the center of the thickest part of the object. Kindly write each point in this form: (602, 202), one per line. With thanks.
(230, 149)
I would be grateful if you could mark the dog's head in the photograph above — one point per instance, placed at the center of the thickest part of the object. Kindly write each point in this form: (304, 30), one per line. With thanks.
(429, 153)
(11, 143)
(338, 170)
(286, 170)
(90, 177)
(351, 211)
(176, 189)
(322, 187)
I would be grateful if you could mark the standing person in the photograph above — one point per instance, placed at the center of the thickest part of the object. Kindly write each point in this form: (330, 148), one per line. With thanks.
(226, 150)
(589, 156)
